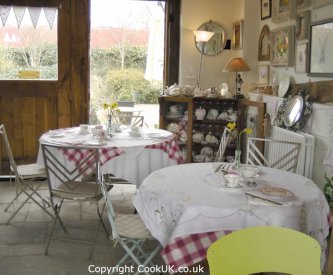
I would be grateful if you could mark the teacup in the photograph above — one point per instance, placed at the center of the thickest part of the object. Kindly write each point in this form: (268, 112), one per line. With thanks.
(173, 109)
(233, 180)
(135, 131)
(98, 132)
(84, 128)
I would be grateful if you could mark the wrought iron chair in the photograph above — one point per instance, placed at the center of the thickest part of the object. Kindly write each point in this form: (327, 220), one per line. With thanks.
(131, 233)
(264, 249)
(276, 153)
(74, 182)
(28, 180)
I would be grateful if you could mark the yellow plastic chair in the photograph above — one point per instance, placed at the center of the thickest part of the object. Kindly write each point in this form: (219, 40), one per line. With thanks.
(264, 249)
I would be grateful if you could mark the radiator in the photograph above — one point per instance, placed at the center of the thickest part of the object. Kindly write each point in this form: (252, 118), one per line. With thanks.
(306, 156)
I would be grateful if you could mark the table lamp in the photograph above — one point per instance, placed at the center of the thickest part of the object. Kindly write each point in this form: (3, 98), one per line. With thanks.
(237, 65)
(202, 37)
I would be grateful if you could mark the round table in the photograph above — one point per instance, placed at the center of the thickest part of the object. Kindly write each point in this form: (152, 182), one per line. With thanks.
(129, 157)
(179, 202)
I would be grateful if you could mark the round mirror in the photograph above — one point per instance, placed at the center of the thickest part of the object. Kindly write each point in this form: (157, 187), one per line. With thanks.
(293, 110)
(216, 44)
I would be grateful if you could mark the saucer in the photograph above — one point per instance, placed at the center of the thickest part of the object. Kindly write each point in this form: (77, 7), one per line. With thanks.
(174, 115)
(56, 135)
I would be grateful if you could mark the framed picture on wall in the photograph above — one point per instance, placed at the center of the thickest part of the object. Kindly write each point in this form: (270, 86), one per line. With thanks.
(321, 49)
(283, 10)
(302, 25)
(302, 4)
(264, 44)
(237, 37)
(265, 9)
(301, 57)
(282, 46)
(320, 3)
(263, 74)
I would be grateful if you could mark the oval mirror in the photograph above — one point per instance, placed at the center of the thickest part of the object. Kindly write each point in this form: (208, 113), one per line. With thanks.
(293, 110)
(216, 44)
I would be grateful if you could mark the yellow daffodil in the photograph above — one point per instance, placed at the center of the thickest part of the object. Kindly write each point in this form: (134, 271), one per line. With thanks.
(231, 125)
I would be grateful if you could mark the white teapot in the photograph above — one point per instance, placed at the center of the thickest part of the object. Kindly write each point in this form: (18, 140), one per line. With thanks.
(173, 128)
(212, 114)
(211, 138)
(198, 137)
(200, 113)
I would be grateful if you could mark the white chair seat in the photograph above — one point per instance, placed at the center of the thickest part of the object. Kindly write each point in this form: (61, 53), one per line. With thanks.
(80, 191)
(32, 170)
(132, 226)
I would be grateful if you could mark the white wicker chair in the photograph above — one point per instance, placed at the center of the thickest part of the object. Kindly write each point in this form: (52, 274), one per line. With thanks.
(131, 233)
(28, 180)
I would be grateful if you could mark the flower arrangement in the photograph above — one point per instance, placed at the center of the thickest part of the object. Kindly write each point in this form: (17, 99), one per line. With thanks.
(232, 126)
(112, 109)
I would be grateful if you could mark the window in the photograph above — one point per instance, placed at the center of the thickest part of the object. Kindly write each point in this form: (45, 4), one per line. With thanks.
(28, 43)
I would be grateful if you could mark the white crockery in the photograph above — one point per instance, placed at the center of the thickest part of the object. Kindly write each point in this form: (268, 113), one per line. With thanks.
(249, 171)
(233, 180)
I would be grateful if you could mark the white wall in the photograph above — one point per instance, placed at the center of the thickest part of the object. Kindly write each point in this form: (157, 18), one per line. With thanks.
(194, 13)
(225, 12)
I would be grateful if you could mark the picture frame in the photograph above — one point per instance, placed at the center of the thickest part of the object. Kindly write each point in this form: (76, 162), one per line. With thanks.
(282, 46)
(302, 4)
(302, 25)
(320, 3)
(301, 57)
(263, 74)
(265, 9)
(321, 49)
(264, 44)
(237, 37)
(283, 10)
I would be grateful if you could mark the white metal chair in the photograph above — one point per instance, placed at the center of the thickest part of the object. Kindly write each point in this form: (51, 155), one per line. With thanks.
(131, 233)
(28, 180)
(225, 140)
(277, 153)
(75, 182)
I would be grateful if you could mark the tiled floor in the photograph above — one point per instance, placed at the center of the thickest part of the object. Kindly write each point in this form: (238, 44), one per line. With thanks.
(23, 241)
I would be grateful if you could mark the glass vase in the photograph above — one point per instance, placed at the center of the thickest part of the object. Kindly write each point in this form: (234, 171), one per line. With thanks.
(237, 161)
(109, 126)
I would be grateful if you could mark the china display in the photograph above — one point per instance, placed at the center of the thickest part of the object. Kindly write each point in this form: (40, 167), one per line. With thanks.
(198, 123)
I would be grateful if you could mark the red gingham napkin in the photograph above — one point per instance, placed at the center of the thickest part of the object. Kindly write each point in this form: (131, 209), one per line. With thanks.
(191, 249)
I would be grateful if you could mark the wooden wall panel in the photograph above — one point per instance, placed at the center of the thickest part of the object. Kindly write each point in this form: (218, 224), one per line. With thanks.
(28, 108)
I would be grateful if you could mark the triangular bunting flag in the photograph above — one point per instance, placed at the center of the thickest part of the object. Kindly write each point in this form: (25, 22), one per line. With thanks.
(19, 14)
(50, 14)
(34, 14)
(4, 12)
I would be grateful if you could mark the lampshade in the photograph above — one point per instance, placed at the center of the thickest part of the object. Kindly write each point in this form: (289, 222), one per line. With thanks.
(237, 65)
(203, 36)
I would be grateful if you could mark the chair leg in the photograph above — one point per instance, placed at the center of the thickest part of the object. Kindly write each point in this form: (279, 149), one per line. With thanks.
(57, 217)
(100, 213)
(29, 196)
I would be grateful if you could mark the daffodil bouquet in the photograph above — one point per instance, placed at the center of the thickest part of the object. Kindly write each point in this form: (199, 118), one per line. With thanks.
(112, 111)
(231, 126)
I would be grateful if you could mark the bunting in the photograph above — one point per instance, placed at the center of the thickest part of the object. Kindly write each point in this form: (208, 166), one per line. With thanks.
(34, 14)
(4, 12)
(50, 14)
(19, 14)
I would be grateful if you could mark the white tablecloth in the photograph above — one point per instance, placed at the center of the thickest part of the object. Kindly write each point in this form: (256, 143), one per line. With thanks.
(131, 158)
(186, 199)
